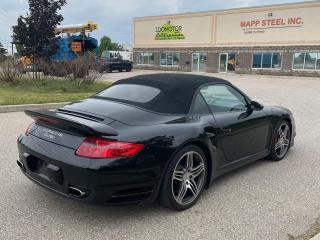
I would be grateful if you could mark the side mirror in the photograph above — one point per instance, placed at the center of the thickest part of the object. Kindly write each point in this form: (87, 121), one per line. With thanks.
(256, 106)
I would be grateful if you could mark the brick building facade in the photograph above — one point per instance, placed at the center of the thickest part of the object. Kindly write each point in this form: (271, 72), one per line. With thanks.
(277, 40)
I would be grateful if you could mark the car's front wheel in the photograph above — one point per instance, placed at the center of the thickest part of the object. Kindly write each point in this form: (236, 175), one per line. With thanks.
(281, 141)
(185, 178)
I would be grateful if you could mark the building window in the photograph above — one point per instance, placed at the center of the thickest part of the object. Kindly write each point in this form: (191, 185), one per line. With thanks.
(266, 60)
(306, 61)
(146, 58)
(318, 62)
(169, 59)
(257, 59)
(298, 61)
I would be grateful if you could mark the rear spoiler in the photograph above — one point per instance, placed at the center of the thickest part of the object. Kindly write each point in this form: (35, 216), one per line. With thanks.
(70, 123)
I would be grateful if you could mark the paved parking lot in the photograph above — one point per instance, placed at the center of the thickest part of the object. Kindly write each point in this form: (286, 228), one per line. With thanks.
(265, 200)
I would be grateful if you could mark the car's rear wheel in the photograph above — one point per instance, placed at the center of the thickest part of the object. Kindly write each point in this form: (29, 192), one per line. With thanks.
(280, 141)
(185, 179)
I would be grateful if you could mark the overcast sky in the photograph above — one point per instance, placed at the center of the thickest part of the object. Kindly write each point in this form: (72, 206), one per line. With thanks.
(115, 16)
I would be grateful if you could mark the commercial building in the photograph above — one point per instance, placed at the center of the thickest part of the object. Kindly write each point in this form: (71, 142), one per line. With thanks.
(279, 39)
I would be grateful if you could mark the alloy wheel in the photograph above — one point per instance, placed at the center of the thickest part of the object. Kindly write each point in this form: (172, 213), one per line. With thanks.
(283, 140)
(188, 177)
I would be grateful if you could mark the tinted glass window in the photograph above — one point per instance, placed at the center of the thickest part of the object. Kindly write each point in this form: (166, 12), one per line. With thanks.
(199, 106)
(223, 98)
(298, 60)
(318, 62)
(176, 59)
(151, 58)
(170, 59)
(266, 60)
(276, 60)
(146, 58)
(310, 62)
(257, 57)
(163, 59)
(130, 92)
(306, 61)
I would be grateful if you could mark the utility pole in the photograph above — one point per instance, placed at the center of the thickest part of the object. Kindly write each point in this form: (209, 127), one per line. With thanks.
(12, 43)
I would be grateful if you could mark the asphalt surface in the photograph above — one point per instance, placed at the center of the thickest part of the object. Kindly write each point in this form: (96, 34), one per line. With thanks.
(265, 200)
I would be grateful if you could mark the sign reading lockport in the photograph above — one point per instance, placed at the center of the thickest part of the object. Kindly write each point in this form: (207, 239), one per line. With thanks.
(169, 32)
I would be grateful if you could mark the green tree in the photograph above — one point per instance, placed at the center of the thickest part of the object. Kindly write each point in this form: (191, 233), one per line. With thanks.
(35, 32)
(3, 51)
(107, 44)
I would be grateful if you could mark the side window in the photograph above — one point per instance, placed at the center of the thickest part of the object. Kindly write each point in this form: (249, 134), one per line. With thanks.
(199, 106)
(223, 98)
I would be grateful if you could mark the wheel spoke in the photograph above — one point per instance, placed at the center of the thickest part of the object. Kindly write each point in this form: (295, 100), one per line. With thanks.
(282, 149)
(182, 192)
(193, 187)
(278, 145)
(285, 142)
(285, 131)
(195, 172)
(189, 161)
(178, 175)
(280, 132)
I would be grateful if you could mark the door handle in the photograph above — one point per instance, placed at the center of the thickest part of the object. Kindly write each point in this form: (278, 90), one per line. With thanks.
(226, 130)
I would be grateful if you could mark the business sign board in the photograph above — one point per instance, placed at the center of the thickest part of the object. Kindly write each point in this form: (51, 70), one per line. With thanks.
(76, 47)
(169, 32)
(173, 31)
(285, 26)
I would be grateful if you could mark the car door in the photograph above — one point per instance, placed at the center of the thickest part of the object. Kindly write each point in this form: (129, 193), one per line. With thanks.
(242, 131)
(117, 64)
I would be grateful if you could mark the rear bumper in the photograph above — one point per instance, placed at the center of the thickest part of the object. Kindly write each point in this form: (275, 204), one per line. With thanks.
(114, 182)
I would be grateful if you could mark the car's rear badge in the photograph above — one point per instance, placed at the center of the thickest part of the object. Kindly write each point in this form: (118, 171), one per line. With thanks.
(51, 134)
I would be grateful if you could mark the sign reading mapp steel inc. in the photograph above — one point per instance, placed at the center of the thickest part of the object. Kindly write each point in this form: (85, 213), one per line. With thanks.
(270, 23)
(169, 32)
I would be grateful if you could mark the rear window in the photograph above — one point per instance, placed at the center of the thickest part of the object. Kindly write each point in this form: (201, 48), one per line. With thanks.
(131, 93)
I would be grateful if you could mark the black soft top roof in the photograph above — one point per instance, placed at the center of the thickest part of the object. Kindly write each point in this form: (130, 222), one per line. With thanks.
(177, 90)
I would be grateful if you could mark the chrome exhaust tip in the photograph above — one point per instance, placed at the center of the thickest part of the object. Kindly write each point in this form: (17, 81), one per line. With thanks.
(20, 164)
(76, 192)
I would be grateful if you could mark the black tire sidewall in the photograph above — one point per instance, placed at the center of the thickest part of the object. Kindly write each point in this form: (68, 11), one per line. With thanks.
(166, 196)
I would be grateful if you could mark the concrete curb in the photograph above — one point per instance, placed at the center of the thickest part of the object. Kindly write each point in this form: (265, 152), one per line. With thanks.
(19, 108)
(317, 237)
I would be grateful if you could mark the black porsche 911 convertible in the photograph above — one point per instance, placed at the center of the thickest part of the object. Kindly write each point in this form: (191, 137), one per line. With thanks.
(150, 137)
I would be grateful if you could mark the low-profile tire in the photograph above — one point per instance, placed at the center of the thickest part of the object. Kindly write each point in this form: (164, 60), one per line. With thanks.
(185, 179)
(280, 142)
(128, 69)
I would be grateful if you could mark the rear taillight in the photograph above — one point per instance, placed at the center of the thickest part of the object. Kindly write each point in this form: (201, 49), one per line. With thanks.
(28, 130)
(94, 147)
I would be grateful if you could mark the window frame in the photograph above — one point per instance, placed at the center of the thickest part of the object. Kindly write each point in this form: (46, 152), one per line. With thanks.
(149, 54)
(192, 106)
(261, 62)
(246, 98)
(173, 53)
(304, 61)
